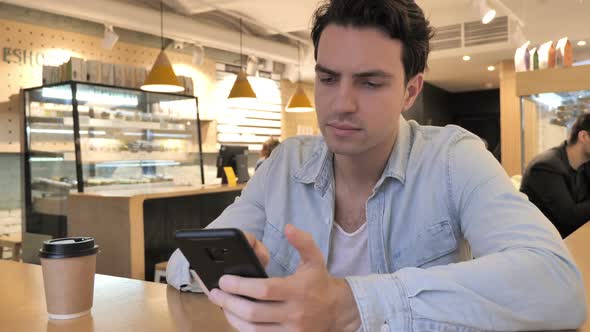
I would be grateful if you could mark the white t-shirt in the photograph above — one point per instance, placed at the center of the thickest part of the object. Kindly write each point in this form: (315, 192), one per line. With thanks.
(349, 252)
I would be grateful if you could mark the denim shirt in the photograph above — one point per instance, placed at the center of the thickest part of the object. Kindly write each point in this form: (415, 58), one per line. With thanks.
(453, 245)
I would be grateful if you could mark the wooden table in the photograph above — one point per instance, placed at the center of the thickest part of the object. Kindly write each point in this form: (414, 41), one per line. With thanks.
(579, 245)
(120, 304)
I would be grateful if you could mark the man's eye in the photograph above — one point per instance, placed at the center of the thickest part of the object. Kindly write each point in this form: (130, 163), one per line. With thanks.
(327, 79)
(372, 85)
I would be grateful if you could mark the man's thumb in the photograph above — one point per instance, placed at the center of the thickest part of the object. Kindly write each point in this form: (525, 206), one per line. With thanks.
(305, 245)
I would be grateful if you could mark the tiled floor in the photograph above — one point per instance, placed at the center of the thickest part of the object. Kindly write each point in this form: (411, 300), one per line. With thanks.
(10, 222)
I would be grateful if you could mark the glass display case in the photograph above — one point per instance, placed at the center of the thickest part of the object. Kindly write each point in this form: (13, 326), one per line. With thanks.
(90, 138)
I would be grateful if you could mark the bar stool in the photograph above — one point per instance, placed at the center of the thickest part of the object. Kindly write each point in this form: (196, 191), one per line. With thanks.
(160, 272)
(14, 242)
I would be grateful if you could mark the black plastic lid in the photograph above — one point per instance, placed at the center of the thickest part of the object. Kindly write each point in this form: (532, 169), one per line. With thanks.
(68, 247)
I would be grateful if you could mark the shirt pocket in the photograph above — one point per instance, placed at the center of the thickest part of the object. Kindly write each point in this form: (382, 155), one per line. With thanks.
(431, 244)
(280, 250)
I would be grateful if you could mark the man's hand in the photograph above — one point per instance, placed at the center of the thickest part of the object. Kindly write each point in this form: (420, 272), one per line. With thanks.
(259, 248)
(309, 300)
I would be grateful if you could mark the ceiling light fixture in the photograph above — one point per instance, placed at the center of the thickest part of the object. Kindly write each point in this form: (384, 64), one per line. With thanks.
(582, 43)
(198, 55)
(241, 88)
(251, 65)
(177, 45)
(299, 101)
(491, 68)
(110, 37)
(466, 58)
(488, 16)
(486, 12)
(162, 77)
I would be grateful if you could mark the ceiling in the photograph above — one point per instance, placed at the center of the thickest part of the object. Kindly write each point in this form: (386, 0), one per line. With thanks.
(541, 20)
(288, 21)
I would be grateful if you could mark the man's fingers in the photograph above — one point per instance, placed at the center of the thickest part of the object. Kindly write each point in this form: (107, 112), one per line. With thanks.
(262, 253)
(245, 326)
(250, 311)
(259, 248)
(266, 289)
(305, 245)
(251, 238)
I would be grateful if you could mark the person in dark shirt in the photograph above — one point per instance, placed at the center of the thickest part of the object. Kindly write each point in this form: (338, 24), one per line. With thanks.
(558, 180)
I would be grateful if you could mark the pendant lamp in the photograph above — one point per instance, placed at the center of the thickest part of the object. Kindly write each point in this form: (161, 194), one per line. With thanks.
(162, 77)
(299, 101)
(241, 88)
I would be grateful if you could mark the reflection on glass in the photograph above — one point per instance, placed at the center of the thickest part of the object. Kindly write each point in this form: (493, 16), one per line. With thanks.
(547, 119)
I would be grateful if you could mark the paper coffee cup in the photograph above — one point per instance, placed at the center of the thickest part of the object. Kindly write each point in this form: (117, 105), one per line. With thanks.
(69, 265)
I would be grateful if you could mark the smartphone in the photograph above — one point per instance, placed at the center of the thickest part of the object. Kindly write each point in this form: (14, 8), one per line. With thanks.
(215, 252)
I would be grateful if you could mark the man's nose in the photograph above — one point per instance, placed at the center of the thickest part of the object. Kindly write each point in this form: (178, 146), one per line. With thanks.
(345, 99)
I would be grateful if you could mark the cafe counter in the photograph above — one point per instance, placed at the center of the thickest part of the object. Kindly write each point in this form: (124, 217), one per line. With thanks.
(135, 228)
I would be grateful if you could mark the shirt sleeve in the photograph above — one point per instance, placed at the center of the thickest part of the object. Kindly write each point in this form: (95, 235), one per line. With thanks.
(522, 279)
(247, 212)
(555, 198)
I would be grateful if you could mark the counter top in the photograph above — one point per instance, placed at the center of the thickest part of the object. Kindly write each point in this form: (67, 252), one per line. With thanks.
(163, 191)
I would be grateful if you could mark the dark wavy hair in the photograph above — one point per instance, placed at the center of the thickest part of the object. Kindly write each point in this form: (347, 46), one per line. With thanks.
(399, 19)
(582, 123)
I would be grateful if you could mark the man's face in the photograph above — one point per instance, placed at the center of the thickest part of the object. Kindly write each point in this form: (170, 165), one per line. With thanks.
(584, 139)
(360, 90)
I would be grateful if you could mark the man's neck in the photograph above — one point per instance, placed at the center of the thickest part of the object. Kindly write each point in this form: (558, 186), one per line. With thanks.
(362, 171)
(575, 155)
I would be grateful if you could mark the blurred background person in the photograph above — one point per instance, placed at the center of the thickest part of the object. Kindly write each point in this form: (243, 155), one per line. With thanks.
(558, 180)
(267, 147)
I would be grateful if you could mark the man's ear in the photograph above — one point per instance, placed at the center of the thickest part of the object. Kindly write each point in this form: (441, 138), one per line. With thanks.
(413, 89)
(583, 135)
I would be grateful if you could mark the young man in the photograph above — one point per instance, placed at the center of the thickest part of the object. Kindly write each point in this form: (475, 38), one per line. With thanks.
(374, 225)
(558, 180)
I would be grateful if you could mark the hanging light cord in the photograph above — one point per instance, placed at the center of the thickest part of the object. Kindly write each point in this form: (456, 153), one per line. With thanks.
(241, 56)
(299, 60)
(162, 25)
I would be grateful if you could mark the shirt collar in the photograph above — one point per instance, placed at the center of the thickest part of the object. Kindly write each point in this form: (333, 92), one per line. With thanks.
(397, 165)
(318, 169)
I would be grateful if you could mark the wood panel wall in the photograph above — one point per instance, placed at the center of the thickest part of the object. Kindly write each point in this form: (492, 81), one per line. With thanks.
(509, 119)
